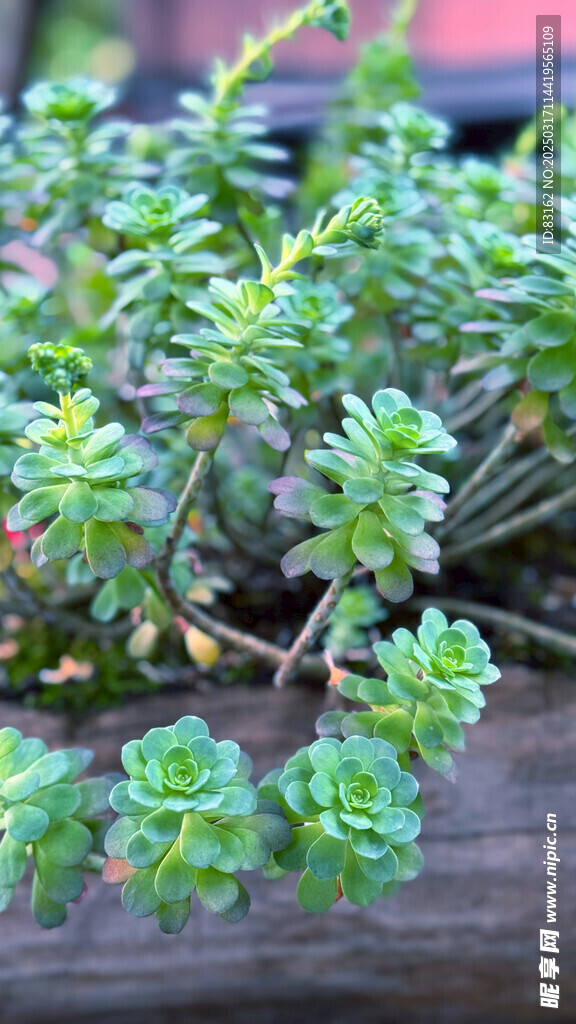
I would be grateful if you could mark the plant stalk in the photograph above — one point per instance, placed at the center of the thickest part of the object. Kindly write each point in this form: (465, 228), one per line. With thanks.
(189, 495)
(544, 635)
(260, 650)
(512, 527)
(314, 626)
(483, 471)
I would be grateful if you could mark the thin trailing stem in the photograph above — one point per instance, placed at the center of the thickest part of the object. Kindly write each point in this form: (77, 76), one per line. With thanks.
(189, 495)
(544, 635)
(259, 650)
(228, 636)
(29, 604)
(502, 482)
(511, 501)
(230, 81)
(484, 470)
(472, 412)
(314, 626)
(512, 527)
(509, 475)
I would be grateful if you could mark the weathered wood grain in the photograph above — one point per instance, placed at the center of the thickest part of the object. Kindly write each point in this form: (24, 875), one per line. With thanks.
(459, 945)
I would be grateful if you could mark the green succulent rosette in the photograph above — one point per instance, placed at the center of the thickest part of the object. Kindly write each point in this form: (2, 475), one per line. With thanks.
(83, 474)
(434, 682)
(47, 817)
(155, 214)
(66, 104)
(189, 821)
(379, 518)
(317, 310)
(355, 815)
(234, 369)
(156, 279)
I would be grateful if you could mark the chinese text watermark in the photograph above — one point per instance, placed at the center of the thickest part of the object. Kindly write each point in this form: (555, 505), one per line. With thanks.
(550, 990)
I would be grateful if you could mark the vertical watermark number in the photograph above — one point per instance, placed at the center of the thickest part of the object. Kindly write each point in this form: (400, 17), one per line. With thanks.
(549, 969)
(548, 132)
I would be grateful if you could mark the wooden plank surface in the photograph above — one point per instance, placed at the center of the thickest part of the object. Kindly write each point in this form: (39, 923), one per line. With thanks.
(459, 945)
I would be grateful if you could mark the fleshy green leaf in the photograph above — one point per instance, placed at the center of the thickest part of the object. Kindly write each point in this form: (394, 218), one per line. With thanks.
(316, 895)
(217, 891)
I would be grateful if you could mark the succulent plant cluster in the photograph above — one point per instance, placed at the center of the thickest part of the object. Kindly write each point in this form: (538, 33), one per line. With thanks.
(221, 150)
(355, 815)
(68, 103)
(433, 684)
(158, 279)
(379, 518)
(239, 367)
(189, 821)
(530, 328)
(82, 474)
(318, 312)
(143, 251)
(79, 167)
(48, 817)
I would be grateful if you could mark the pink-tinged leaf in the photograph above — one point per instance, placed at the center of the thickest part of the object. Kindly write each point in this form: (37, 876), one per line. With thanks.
(482, 326)
(294, 495)
(275, 435)
(297, 561)
(151, 506)
(498, 295)
(473, 363)
(115, 871)
(161, 388)
(139, 552)
(200, 400)
(162, 421)
(142, 447)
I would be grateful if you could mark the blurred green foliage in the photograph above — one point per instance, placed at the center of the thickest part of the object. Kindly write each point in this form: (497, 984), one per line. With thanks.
(414, 274)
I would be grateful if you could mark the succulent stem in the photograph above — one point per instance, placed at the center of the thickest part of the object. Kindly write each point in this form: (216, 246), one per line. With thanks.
(503, 481)
(189, 495)
(315, 625)
(512, 527)
(545, 635)
(484, 470)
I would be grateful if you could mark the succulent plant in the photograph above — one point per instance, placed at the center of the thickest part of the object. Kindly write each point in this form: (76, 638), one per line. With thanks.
(380, 517)
(317, 312)
(353, 811)
(83, 473)
(190, 821)
(529, 329)
(157, 279)
(233, 370)
(75, 164)
(239, 367)
(433, 683)
(67, 103)
(154, 213)
(61, 367)
(333, 15)
(48, 817)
